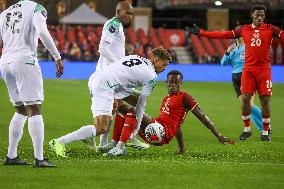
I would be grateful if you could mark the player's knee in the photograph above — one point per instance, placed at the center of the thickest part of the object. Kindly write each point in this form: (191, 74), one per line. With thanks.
(102, 130)
(21, 110)
(33, 109)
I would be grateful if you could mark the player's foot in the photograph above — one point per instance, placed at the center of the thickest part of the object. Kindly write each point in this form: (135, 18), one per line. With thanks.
(265, 138)
(269, 130)
(117, 151)
(57, 147)
(135, 143)
(245, 135)
(15, 161)
(91, 142)
(43, 163)
(106, 147)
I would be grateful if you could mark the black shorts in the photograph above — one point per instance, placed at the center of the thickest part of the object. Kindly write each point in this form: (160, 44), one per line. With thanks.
(236, 79)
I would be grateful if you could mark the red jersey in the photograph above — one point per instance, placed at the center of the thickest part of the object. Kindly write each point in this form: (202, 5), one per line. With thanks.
(173, 111)
(257, 42)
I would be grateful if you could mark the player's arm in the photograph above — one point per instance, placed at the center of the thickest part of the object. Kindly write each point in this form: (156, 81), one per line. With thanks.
(179, 137)
(210, 125)
(141, 104)
(39, 22)
(106, 47)
(277, 32)
(215, 34)
(226, 59)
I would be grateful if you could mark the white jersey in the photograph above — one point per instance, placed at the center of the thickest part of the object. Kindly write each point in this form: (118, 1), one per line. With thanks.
(130, 72)
(112, 44)
(20, 27)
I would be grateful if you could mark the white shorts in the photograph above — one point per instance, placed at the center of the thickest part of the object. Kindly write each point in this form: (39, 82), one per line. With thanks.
(24, 83)
(103, 96)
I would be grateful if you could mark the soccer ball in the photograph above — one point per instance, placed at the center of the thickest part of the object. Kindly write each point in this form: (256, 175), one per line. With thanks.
(155, 133)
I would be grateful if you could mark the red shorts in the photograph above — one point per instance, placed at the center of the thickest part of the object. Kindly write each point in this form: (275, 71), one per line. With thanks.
(257, 79)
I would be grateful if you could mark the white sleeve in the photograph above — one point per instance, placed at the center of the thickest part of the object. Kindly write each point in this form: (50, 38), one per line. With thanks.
(39, 21)
(141, 104)
(106, 47)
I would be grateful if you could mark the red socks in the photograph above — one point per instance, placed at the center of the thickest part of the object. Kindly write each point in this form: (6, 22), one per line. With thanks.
(118, 125)
(129, 126)
(265, 122)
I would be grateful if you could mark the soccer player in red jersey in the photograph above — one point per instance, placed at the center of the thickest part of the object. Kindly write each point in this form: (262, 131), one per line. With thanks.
(159, 131)
(257, 69)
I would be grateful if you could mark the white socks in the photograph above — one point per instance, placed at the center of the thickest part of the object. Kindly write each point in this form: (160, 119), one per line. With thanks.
(36, 130)
(247, 129)
(82, 133)
(15, 133)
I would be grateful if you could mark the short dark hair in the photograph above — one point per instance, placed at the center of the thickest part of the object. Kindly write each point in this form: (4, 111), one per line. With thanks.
(257, 7)
(175, 72)
(162, 54)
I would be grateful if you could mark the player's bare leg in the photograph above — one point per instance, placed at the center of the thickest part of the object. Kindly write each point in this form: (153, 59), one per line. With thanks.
(104, 136)
(246, 110)
(265, 111)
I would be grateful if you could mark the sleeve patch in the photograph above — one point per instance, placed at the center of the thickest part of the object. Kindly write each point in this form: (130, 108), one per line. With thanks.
(44, 13)
(39, 7)
(111, 29)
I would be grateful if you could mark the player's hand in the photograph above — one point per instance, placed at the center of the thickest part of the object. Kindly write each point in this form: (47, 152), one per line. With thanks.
(193, 30)
(225, 140)
(230, 48)
(59, 68)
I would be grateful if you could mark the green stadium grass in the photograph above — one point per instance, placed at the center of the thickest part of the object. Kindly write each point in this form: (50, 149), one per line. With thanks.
(206, 164)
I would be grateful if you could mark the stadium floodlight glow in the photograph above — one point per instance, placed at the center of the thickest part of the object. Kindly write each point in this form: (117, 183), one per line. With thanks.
(218, 3)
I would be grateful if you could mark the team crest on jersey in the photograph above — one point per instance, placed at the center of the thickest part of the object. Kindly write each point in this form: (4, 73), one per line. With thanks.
(44, 13)
(111, 29)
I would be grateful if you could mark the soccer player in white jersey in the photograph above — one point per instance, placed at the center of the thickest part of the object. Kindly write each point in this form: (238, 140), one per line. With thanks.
(112, 47)
(115, 80)
(20, 27)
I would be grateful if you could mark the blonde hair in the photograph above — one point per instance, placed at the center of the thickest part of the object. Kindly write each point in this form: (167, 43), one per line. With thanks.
(162, 54)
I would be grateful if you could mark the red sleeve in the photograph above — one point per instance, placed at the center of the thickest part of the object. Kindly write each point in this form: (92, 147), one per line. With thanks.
(188, 102)
(277, 32)
(217, 34)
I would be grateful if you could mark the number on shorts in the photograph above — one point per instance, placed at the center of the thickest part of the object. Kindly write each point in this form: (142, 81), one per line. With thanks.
(268, 84)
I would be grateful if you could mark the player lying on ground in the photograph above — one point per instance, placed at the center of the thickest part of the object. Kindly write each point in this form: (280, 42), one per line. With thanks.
(115, 80)
(160, 130)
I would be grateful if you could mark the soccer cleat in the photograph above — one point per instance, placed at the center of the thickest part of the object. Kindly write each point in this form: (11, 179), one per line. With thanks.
(117, 151)
(15, 161)
(91, 142)
(135, 143)
(265, 138)
(57, 147)
(106, 147)
(245, 135)
(43, 163)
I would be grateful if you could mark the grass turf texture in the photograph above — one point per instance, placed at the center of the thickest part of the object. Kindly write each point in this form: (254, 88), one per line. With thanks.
(206, 164)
